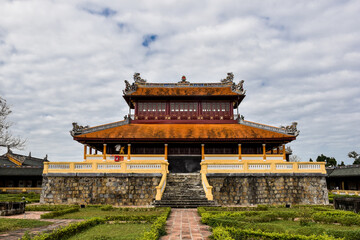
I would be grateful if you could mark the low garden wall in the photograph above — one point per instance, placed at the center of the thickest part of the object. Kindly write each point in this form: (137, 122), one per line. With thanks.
(347, 203)
(11, 208)
(247, 189)
(119, 189)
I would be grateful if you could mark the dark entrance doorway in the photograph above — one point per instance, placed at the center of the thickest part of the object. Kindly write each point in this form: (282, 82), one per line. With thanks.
(184, 164)
(184, 157)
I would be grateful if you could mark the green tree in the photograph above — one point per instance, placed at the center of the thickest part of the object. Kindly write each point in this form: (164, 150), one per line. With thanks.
(342, 163)
(310, 160)
(355, 156)
(330, 161)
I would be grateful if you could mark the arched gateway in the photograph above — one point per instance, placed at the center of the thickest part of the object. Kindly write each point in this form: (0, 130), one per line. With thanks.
(192, 128)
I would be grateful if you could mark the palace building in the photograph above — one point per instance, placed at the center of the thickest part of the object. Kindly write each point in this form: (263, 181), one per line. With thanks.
(19, 173)
(190, 129)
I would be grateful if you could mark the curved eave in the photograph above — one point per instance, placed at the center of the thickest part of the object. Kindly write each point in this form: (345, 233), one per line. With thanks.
(286, 140)
(185, 132)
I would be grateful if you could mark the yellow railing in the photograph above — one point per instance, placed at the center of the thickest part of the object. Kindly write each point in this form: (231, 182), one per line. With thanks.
(261, 166)
(207, 187)
(98, 166)
(20, 189)
(346, 192)
(161, 187)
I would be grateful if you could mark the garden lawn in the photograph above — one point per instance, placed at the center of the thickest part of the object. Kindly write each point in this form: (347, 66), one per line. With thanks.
(9, 224)
(116, 231)
(90, 212)
(12, 197)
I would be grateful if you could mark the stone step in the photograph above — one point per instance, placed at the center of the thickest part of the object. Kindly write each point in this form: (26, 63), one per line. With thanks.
(183, 198)
(184, 190)
(185, 204)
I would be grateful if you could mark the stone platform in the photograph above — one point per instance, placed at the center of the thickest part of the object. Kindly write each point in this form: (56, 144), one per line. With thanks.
(248, 189)
(119, 189)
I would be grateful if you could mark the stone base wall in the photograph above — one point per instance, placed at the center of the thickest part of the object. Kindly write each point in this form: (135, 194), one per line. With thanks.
(247, 189)
(114, 189)
(11, 208)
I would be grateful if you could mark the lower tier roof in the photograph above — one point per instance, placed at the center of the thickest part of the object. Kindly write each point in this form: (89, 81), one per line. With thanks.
(187, 132)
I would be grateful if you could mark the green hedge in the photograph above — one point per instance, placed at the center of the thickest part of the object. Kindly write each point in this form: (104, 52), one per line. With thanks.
(158, 227)
(129, 218)
(338, 216)
(47, 207)
(59, 213)
(233, 233)
(68, 231)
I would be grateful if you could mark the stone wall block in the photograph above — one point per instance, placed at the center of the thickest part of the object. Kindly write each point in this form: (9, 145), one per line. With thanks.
(118, 191)
(245, 190)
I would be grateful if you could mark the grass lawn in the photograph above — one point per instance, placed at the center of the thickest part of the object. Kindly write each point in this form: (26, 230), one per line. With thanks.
(17, 197)
(116, 231)
(8, 224)
(90, 212)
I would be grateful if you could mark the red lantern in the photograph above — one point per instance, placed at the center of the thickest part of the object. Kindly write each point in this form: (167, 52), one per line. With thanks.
(117, 158)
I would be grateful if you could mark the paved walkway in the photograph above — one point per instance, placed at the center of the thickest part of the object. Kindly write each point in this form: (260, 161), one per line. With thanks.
(16, 234)
(184, 224)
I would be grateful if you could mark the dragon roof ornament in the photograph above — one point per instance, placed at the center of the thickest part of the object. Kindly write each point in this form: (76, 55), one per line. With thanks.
(292, 129)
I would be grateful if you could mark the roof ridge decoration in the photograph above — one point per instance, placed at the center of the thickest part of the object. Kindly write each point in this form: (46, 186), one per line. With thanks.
(226, 82)
(290, 130)
(78, 130)
(18, 160)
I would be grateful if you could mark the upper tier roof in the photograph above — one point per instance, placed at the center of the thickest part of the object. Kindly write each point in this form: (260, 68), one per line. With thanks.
(186, 132)
(183, 91)
(226, 88)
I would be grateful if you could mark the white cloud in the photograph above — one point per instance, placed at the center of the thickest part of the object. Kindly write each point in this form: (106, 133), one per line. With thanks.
(66, 61)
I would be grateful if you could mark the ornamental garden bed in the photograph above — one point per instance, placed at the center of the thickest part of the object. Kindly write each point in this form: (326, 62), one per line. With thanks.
(297, 222)
(105, 222)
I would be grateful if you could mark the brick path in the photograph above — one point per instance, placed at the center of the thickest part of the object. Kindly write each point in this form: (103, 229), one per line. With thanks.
(184, 224)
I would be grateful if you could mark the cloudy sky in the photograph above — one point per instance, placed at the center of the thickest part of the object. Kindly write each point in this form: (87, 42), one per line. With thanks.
(66, 61)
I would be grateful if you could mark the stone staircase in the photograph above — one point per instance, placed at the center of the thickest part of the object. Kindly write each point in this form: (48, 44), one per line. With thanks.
(184, 190)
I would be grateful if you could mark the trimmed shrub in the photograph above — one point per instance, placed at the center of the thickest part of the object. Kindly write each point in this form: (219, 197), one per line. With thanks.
(130, 218)
(70, 230)
(59, 213)
(106, 208)
(251, 234)
(48, 207)
(262, 207)
(219, 233)
(337, 216)
(158, 227)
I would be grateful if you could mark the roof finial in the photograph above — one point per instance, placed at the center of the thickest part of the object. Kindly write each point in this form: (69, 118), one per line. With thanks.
(46, 157)
(183, 80)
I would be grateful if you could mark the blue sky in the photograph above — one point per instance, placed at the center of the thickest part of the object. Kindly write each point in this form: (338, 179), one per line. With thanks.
(66, 61)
